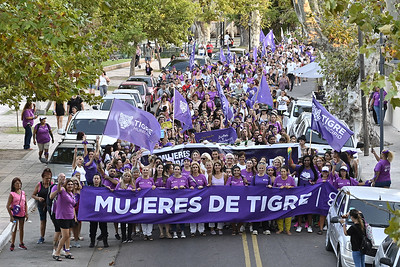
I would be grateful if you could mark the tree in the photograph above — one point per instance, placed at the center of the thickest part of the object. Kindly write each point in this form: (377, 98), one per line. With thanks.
(50, 51)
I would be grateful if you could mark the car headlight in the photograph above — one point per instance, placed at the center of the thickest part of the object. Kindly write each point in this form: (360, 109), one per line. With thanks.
(348, 246)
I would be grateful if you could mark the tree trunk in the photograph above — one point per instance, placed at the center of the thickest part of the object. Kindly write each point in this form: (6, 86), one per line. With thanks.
(255, 28)
(158, 56)
(133, 60)
(244, 36)
(203, 31)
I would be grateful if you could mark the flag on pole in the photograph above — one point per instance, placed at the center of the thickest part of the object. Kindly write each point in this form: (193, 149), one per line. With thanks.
(269, 40)
(222, 57)
(229, 56)
(191, 58)
(330, 128)
(224, 102)
(263, 94)
(129, 123)
(182, 111)
(262, 36)
(255, 54)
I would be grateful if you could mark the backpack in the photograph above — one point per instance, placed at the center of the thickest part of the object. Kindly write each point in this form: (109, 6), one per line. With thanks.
(366, 244)
(48, 127)
(49, 202)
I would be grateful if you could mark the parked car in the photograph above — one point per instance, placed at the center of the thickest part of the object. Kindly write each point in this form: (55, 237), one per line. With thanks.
(139, 86)
(108, 100)
(295, 109)
(240, 52)
(152, 87)
(388, 254)
(299, 126)
(132, 92)
(92, 123)
(63, 155)
(373, 203)
(182, 63)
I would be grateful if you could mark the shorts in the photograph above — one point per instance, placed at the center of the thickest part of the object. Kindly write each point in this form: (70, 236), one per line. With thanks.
(57, 228)
(66, 223)
(18, 218)
(42, 209)
(43, 146)
(383, 184)
(147, 58)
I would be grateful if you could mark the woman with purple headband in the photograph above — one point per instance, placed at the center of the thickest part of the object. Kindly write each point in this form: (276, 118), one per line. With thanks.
(382, 169)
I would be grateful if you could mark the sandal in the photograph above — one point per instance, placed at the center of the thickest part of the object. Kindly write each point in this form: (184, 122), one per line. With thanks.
(57, 258)
(69, 256)
(162, 236)
(150, 238)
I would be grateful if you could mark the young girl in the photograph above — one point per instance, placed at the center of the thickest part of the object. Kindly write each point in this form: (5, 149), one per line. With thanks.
(144, 182)
(102, 225)
(126, 183)
(186, 167)
(77, 227)
(77, 166)
(18, 210)
(199, 181)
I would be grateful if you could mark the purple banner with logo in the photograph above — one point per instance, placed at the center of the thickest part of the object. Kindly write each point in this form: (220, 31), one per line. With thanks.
(224, 136)
(212, 204)
(179, 152)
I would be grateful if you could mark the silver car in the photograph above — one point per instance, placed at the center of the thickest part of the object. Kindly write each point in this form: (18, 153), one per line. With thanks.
(372, 202)
(388, 254)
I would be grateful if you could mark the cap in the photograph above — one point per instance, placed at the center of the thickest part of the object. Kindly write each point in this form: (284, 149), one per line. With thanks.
(351, 152)
(42, 118)
(343, 168)
(325, 169)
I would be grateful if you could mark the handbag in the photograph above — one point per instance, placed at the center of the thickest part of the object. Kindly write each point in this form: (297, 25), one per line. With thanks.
(17, 208)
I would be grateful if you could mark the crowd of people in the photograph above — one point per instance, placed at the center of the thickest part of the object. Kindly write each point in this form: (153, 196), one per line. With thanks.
(119, 166)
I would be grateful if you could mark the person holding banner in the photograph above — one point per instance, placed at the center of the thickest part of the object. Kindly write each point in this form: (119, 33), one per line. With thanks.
(236, 180)
(284, 181)
(160, 180)
(177, 181)
(186, 168)
(216, 178)
(345, 179)
(249, 172)
(324, 178)
(199, 181)
(126, 183)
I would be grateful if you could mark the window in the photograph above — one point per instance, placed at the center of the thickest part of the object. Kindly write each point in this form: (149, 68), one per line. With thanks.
(317, 139)
(375, 212)
(64, 155)
(88, 126)
(140, 88)
(106, 105)
(391, 253)
(139, 79)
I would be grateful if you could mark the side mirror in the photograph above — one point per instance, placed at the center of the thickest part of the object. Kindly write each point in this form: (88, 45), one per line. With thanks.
(95, 107)
(286, 114)
(360, 145)
(386, 261)
(335, 219)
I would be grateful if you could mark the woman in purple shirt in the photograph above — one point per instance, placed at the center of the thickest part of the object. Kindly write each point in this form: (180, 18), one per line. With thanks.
(42, 134)
(186, 169)
(323, 178)
(160, 180)
(345, 179)
(284, 181)
(27, 117)
(177, 181)
(199, 181)
(65, 214)
(126, 183)
(236, 180)
(249, 172)
(382, 169)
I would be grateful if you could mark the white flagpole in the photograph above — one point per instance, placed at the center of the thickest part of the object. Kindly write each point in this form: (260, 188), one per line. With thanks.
(173, 113)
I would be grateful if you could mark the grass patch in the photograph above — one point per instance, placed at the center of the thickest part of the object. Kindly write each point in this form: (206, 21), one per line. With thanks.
(13, 130)
(114, 62)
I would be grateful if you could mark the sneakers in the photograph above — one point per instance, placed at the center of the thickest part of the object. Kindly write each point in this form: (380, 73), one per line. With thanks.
(255, 232)
(117, 236)
(22, 246)
(76, 244)
(213, 232)
(183, 235)
(325, 228)
(296, 225)
(309, 229)
(220, 232)
(242, 229)
(41, 240)
(130, 240)
(12, 247)
(175, 235)
(298, 229)
(267, 232)
(251, 228)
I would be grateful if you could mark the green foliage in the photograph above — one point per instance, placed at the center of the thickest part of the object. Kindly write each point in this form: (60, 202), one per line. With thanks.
(394, 226)
(281, 14)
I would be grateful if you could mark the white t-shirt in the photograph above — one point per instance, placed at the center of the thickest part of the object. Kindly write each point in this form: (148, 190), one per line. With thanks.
(102, 80)
(282, 102)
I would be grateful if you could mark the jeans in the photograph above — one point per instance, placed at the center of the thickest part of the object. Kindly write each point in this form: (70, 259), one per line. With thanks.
(103, 90)
(359, 259)
(378, 114)
(28, 137)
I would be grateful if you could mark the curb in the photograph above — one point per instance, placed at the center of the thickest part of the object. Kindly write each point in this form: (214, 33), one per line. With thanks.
(117, 66)
(6, 234)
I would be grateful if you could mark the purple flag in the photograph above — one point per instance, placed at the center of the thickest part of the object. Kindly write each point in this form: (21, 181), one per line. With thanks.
(182, 111)
(222, 57)
(330, 128)
(210, 204)
(255, 54)
(262, 36)
(269, 40)
(224, 136)
(129, 123)
(229, 56)
(224, 102)
(263, 94)
(191, 59)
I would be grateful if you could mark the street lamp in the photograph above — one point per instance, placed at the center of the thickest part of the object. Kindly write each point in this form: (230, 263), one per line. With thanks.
(249, 35)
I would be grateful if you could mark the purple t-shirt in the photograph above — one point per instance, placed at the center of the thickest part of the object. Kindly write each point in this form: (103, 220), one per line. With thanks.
(65, 207)
(91, 170)
(261, 180)
(197, 181)
(118, 187)
(144, 183)
(232, 181)
(339, 183)
(159, 182)
(27, 113)
(248, 175)
(288, 182)
(173, 181)
(42, 133)
(306, 176)
(185, 173)
(109, 184)
(383, 167)
(320, 180)
(376, 97)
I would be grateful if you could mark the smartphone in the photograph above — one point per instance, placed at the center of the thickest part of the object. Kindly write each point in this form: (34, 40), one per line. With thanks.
(162, 133)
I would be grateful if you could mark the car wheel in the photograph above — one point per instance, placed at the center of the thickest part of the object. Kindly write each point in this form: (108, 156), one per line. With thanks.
(339, 258)
(328, 245)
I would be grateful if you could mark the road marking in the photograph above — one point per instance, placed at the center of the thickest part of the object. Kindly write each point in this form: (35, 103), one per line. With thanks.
(246, 250)
(256, 251)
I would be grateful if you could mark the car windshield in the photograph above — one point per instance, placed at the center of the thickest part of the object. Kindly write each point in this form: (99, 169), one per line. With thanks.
(376, 213)
(88, 126)
(64, 155)
(140, 79)
(133, 87)
(106, 105)
(317, 139)
(300, 109)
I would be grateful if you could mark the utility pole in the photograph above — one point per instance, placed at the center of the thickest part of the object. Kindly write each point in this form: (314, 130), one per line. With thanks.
(363, 97)
(381, 95)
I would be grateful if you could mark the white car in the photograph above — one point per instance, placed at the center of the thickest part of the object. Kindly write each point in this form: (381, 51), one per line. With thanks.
(295, 109)
(108, 100)
(388, 254)
(92, 123)
(372, 202)
(133, 92)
